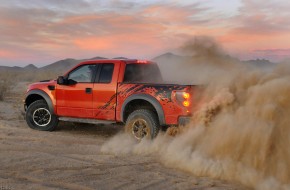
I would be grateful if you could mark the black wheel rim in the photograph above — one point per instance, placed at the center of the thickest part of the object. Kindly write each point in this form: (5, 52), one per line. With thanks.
(140, 129)
(41, 117)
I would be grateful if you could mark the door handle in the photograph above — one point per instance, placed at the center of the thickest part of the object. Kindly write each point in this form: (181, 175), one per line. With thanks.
(88, 90)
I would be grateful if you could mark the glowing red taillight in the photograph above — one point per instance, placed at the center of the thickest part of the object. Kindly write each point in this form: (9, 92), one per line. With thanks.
(183, 98)
(186, 95)
(185, 103)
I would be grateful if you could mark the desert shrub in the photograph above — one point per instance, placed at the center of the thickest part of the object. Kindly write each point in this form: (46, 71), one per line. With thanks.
(44, 75)
(9, 78)
(5, 78)
(27, 76)
(3, 90)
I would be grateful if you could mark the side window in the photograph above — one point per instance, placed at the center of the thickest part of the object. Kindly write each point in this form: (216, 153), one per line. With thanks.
(83, 74)
(106, 73)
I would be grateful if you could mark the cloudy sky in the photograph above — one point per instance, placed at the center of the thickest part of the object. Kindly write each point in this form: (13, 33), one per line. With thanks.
(43, 31)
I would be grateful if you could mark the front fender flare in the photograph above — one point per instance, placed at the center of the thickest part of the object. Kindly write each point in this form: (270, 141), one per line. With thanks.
(44, 95)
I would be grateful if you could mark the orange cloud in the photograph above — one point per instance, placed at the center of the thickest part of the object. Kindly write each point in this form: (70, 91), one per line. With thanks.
(6, 54)
(114, 28)
(94, 43)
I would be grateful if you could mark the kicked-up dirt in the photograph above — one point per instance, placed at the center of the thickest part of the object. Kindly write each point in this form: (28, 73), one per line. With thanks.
(71, 158)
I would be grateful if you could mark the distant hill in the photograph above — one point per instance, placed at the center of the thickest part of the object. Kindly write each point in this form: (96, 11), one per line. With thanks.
(30, 67)
(172, 58)
(260, 62)
(61, 66)
(7, 68)
(120, 58)
(58, 66)
(168, 56)
(66, 64)
(96, 58)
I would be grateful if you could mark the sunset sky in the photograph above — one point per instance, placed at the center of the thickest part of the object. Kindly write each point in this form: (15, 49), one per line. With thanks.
(44, 31)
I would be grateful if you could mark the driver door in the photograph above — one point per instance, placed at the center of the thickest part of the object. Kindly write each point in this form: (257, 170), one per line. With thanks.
(76, 99)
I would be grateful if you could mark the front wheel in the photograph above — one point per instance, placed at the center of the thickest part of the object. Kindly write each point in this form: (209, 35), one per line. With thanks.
(39, 117)
(142, 124)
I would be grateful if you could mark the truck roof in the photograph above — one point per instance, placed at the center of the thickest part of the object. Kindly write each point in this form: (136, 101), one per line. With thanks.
(125, 61)
(128, 61)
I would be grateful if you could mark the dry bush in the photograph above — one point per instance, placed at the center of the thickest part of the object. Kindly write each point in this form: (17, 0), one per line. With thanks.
(4, 84)
(8, 79)
(44, 75)
(26, 76)
(3, 90)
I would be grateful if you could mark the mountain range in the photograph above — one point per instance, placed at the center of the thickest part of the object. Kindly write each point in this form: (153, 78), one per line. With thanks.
(63, 65)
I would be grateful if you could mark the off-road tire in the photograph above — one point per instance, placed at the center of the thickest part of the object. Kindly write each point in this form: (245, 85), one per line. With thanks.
(139, 119)
(39, 117)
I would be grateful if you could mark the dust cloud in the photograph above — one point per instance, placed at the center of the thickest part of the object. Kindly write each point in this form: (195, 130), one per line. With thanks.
(241, 130)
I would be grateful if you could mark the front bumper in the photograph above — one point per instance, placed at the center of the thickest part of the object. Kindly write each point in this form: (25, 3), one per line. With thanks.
(184, 120)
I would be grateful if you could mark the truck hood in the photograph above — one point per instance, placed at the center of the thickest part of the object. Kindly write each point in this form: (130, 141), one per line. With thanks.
(41, 84)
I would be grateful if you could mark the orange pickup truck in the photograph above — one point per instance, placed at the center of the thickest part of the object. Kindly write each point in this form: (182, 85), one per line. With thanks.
(110, 91)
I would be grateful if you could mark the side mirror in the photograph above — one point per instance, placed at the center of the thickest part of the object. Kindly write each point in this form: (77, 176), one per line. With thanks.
(60, 80)
(71, 82)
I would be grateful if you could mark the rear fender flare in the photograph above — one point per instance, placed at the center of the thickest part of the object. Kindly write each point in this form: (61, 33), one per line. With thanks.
(153, 101)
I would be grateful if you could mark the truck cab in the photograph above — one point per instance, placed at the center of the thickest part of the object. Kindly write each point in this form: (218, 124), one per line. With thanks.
(110, 91)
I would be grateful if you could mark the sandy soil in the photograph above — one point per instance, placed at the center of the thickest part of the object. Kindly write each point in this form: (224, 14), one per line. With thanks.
(70, 158)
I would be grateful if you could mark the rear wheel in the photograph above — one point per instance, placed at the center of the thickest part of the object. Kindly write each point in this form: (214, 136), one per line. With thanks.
(39, 117)
(142, 124)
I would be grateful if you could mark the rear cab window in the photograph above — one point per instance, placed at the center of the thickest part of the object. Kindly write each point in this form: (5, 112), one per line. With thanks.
(145, 73)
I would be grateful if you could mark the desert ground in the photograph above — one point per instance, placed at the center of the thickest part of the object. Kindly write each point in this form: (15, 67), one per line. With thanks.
(71, 157)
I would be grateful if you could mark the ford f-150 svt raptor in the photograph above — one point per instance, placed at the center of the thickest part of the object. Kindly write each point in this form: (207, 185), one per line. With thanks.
(110, 91)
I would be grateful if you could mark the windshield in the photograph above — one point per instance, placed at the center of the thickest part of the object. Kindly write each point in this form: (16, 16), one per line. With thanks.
(147, 73)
